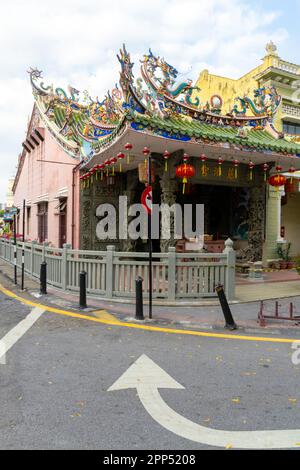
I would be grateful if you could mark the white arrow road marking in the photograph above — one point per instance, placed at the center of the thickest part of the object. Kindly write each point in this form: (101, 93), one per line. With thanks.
(18, 331)
(147, 377)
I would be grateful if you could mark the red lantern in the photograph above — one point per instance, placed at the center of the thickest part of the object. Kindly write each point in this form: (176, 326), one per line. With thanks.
(107, 163)
(95, 172)
(121, 157)
(292, 170)
(265, 168)
(203, 159)
(236, 165)
(92, 172)
(277, 181)
(128, 147)
(146, 152)
(220, 163)
(166, 157)
(184, 172)
(251, 166)
(101, 168)
(113, 161)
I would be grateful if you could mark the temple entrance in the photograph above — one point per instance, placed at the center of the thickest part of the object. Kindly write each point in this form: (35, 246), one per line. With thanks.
(225, 210)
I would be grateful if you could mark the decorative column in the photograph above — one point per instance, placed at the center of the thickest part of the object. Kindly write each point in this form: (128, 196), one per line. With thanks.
(168, 196)
(256, 221)
(273, 223)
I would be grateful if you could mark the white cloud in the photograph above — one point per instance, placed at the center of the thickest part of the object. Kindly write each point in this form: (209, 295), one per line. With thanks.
(76, 41)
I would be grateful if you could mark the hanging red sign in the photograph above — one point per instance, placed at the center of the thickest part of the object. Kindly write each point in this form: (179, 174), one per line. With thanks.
(146, 199)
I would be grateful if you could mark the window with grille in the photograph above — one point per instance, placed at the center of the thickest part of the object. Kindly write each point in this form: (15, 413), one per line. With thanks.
(42, 222)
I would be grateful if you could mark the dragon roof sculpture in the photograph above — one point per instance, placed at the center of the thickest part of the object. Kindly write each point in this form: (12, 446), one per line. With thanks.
(74, 118)
(265, 103)
(83, 125)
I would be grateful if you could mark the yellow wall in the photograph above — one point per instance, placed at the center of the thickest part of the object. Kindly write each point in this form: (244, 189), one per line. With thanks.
(229, 89)
(291, 221)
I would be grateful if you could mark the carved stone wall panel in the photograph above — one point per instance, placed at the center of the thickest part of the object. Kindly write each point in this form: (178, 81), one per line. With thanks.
(168, 196)
(257, 209)
(91, 198)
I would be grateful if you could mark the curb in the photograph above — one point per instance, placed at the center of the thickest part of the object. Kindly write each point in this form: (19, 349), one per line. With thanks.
(144, 327)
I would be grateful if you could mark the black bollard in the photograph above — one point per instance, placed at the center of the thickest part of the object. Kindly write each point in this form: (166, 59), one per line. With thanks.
(139, 315)
(43, 278)
(82, 288)
(230, 323)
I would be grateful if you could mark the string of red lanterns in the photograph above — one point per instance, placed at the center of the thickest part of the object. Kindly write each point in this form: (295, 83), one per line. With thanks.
(185, 171)
(88, 177)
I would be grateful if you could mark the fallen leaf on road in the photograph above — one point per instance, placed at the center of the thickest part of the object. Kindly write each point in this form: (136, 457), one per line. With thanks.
(81, 404)
(236, 400)
(76, 415)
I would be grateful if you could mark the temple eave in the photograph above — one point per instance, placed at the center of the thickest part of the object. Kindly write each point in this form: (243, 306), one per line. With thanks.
(194, 147)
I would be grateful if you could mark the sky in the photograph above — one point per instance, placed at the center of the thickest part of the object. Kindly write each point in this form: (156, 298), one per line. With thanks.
(76, 41)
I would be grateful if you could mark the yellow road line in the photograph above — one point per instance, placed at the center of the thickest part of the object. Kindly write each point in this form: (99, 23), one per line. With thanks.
(107, 319)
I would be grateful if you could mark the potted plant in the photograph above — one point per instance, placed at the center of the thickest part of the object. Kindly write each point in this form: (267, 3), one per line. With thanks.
(284, 255)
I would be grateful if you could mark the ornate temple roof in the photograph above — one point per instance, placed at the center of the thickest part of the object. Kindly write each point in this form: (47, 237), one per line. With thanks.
(157, 106)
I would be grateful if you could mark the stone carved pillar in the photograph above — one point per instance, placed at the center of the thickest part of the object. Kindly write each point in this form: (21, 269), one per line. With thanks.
(85, 219)
(256, 221)
(273, 224)
(168, 196)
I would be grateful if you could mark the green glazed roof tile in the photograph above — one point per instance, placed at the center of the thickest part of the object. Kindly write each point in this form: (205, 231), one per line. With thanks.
(259, 139)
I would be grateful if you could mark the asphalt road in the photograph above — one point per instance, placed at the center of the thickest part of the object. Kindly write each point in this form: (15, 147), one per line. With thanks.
(53, 392)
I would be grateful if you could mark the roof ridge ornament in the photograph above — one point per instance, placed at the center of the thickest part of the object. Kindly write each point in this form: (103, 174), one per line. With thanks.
(271, 48)
(265, 103)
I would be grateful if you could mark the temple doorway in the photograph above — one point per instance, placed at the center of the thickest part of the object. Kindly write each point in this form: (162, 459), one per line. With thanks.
(225, 209)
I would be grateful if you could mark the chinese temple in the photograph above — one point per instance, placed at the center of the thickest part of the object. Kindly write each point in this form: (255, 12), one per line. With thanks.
(233, 162)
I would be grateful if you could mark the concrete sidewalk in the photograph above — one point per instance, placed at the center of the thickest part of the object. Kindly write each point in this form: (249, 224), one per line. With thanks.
(206, 317)
(273, 286)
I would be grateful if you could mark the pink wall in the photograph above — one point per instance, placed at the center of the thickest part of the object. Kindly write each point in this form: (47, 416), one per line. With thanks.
(41, 181)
